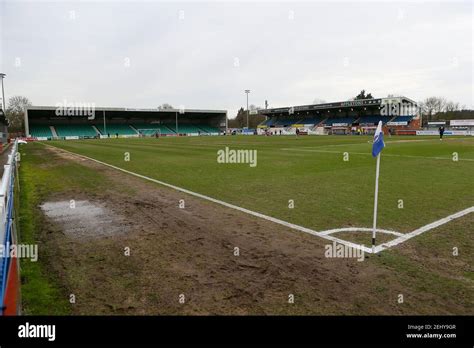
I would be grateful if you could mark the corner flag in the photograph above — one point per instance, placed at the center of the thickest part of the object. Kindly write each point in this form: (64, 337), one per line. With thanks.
(378, 141)
(377, 147)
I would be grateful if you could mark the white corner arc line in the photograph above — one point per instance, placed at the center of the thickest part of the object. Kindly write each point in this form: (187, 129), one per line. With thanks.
(358, 229)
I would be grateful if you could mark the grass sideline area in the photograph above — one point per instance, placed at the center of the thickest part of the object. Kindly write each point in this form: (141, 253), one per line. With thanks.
(328, 193)
(42, 290)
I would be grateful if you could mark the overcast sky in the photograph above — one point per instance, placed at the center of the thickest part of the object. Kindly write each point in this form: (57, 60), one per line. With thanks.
(205, 54)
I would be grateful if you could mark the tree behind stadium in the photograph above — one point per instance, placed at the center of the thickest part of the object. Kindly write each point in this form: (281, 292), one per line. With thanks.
(362, 95)
(15, 112)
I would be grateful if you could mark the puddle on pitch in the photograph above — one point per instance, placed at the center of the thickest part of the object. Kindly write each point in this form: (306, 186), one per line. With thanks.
(84, 219)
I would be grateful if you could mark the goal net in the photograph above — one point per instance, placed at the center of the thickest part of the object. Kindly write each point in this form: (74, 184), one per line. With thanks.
(149, 132)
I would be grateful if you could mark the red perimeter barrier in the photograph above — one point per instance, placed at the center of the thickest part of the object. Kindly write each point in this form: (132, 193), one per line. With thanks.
(12, 292)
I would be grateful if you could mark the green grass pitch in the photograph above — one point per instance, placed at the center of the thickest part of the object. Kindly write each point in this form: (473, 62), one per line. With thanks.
(329, 178)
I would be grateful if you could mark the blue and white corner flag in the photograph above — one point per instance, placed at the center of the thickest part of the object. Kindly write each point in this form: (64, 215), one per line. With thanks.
(377, 147)
(378, 144)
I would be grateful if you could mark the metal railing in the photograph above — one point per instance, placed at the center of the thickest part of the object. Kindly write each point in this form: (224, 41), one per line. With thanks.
(8, 231)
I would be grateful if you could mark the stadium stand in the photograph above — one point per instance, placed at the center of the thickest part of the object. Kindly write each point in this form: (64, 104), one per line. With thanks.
(374, 119)
(314, 121)
(268, 122)
(124, 122)
(343, 117)
(75, 130)
(40, 131)
(185, 128)
(209, 129)
(282, 121)
(402, 119)
(331, 121)
(121, 129)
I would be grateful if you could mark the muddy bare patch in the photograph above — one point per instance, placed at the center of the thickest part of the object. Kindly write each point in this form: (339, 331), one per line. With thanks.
(83, 219)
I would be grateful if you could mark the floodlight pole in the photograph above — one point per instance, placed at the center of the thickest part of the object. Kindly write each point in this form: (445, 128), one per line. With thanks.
(247, 91)
(177, 132)
(4, 106)
(105, 126)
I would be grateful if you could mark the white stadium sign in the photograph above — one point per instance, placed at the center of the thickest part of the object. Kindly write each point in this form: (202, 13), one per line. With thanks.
(461, 122)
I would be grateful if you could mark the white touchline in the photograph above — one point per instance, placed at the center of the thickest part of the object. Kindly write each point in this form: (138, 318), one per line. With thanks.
(323, 234)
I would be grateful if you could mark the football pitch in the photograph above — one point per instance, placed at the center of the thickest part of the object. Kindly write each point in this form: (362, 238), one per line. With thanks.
(182, 212)
(321, 183)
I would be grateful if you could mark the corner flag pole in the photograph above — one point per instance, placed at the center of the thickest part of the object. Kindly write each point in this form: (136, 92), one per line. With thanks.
(377, 147)
(376, 202)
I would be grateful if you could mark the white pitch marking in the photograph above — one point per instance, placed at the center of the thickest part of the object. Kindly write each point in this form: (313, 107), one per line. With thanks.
(322, 234)
(424, 229)
(357, 229)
